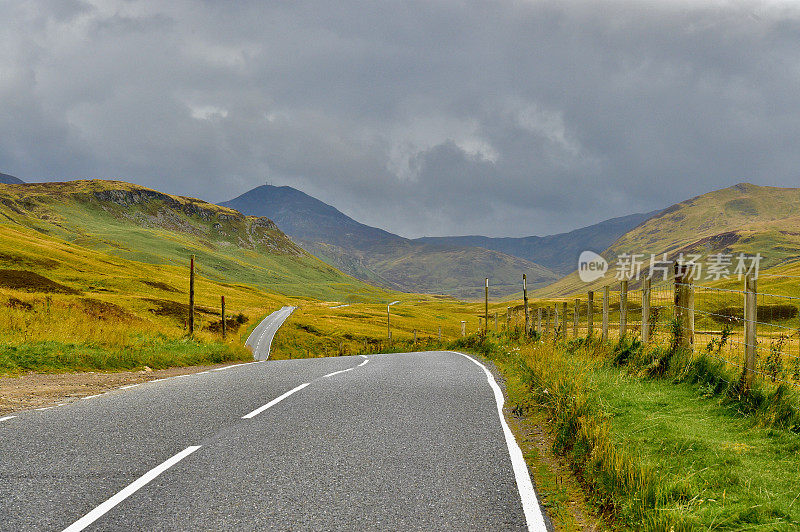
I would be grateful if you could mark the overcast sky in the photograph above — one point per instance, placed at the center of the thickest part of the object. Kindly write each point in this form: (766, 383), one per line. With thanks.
(505, 118)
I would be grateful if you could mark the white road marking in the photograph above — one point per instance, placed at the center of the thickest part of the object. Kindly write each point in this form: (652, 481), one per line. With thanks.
(129, 386)
(530, 504)
(45, 408)
(365, 361)
(274, 402)
(92, 396)
(7, 418)
(338, 372)
(129, 490)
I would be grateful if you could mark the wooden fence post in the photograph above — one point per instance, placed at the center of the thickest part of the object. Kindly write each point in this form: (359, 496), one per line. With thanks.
(486, 310)
(646, 310)
(683, 304)
(605, 313)
(590, 314)
(415, 337)
(440, 333)
(750, 331)
(623, 308)
(556, 322)
(564, 319)
(547, 323)
(463, 328)
(191, 296)
(525, 300)
(224, 325)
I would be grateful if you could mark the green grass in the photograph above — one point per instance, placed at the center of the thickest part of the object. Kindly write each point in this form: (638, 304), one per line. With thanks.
(154, 352)
(720, 470)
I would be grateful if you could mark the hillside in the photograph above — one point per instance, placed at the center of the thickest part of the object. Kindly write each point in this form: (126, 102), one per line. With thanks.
(380, 257)
(743, 218)
(557, 252)
(140, 225)
(10, 179)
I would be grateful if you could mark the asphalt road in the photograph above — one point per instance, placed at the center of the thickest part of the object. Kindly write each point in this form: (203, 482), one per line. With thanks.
(386, 442)
(260, 340)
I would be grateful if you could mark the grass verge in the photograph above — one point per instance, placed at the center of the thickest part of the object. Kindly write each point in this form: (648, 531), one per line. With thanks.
(154, 352)
(658, 451)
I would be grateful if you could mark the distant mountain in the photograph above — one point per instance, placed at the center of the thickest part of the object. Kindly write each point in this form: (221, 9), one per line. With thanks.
(10, 179)
(743, 218)
(557, 252)
(383, 258)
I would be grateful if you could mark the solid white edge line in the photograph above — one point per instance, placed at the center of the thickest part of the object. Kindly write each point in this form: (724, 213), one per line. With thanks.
(92, 396)
(530, 503)
(7, 418)
(274, 402)
(363, 363)
(129, 490)
(129, 386)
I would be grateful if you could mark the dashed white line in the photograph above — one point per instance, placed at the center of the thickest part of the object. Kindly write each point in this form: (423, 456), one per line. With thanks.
(92, 396)
(129, 490)
(530, 504)
(5, 418)
(338, 372)
(274, 402)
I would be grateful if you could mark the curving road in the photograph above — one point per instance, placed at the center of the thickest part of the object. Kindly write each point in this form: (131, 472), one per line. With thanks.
(260, 340)
(385, 442)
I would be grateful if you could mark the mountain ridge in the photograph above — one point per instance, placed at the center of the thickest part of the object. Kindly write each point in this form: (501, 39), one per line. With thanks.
(378, 256)
(558, 252)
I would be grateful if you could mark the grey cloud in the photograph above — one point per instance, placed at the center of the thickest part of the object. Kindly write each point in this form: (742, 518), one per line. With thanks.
(500, 118)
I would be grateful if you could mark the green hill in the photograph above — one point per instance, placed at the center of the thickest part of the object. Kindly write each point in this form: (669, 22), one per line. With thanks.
(743, 218)
(140, 225)
(383, 258)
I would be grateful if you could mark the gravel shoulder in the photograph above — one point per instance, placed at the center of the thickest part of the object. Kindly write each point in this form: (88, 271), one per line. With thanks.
(36, 390)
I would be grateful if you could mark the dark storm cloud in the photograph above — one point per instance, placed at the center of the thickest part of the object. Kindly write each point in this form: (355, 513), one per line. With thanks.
(501, 118)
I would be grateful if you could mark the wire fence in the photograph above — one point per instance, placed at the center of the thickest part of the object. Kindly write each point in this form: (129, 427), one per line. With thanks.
(709, 319)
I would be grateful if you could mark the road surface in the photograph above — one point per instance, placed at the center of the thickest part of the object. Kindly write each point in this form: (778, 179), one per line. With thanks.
(385, 442)
(260, 340)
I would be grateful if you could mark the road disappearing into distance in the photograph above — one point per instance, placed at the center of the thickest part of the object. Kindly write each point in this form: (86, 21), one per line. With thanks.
(260, 340)
(412, 441)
